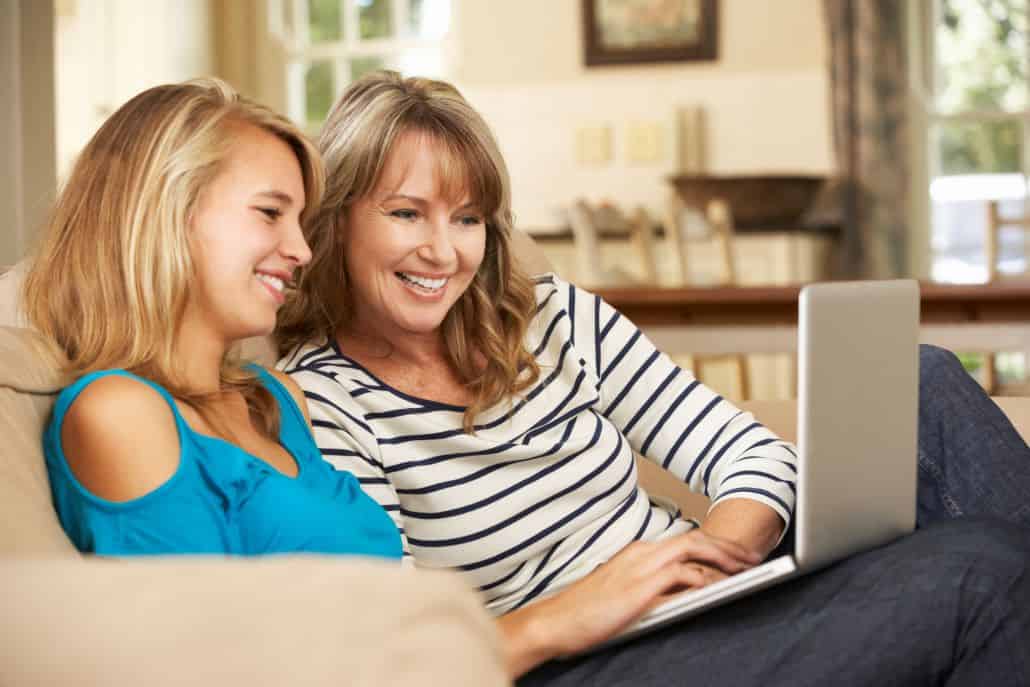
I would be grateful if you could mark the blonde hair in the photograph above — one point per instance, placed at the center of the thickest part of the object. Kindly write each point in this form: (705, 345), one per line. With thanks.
(110, 279)
(489, 321)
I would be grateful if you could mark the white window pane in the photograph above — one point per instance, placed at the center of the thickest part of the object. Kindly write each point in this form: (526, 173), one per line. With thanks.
(959, 225)
(981, 52)
(426, 62)
(978, 162)
(429, 18)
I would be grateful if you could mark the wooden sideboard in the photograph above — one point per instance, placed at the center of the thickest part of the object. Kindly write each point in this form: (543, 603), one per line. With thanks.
(985, 318)
(762, 322)
(762, 258)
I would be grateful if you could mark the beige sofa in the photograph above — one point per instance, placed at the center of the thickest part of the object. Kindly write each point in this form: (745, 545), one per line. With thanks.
(66, 619)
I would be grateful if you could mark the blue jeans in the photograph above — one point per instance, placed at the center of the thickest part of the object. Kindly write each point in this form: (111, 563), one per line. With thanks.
(947, 605)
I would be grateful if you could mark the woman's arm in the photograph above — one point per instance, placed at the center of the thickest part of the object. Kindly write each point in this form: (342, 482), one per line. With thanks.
(119, 439)
(751, 524)
(613, 596)
(675, 421)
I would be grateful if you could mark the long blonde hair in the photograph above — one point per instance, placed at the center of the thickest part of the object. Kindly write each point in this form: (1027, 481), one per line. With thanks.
(491, 318)
(110, 279)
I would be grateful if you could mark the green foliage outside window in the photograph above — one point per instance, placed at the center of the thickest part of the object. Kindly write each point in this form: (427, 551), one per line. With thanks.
(318, 87)
(982, 60)
(324, 21)
(375, 19)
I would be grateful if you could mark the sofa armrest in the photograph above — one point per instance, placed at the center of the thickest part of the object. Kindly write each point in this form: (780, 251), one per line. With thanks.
(273, 621)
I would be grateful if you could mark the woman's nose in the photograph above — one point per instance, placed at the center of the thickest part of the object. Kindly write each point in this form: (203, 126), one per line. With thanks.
(439, 247)
(293, 245)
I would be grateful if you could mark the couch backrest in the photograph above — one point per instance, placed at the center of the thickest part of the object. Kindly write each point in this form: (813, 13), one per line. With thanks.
(28, 386)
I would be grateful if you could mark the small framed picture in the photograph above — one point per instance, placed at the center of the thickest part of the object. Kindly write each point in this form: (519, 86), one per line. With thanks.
(641, 31)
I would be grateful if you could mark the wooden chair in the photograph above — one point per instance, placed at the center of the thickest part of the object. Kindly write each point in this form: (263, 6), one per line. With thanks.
(590, 267)
(720, 222)
(992, 240)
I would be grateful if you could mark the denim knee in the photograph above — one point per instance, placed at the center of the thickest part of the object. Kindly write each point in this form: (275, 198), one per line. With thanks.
(934, 360)
(991, 546)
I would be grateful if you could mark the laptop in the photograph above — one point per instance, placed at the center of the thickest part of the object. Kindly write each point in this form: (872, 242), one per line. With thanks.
(858, 395)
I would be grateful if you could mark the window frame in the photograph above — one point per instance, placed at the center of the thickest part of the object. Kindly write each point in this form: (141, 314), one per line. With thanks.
(922, 19)
(300, 53)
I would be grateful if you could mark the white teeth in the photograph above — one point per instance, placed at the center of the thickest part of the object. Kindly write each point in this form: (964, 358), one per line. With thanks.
(431, 284)
(275, 282)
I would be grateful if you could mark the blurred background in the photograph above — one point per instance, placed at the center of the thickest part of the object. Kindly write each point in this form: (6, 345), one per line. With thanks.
(652, 144)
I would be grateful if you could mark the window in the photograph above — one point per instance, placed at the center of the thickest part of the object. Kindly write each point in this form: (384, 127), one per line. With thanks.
(330, 43)
(971, 62)
(971, 111)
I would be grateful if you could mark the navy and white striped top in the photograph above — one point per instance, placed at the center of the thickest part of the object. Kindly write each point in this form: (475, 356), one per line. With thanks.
(546, 489)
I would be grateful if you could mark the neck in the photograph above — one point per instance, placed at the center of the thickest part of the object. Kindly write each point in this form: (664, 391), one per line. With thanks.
(199, 354)
(364, 339)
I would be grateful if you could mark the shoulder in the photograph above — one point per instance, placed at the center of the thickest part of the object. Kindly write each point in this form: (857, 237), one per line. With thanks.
(555, 294)
(293, 388)
(306, 355)
(559, 301)
(105, 429)
(319, 368)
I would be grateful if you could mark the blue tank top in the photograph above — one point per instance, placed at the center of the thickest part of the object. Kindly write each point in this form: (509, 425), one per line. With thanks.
(221, 499)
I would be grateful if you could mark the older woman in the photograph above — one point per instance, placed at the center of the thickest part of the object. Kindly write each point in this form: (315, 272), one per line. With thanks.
(495, 418)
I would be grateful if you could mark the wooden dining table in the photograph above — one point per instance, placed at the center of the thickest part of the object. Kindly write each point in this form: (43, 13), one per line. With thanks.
(728, 320)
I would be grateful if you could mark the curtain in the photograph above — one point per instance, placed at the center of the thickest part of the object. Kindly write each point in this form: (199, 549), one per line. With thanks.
(868, 89)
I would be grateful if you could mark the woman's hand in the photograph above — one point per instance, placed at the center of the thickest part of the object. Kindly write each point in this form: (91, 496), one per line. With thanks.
(616, 594)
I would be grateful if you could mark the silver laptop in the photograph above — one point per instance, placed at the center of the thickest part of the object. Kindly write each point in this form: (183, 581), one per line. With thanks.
(858, 395)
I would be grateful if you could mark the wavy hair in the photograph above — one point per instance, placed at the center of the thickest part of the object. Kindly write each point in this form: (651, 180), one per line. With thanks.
(110, 279)
(484, 331)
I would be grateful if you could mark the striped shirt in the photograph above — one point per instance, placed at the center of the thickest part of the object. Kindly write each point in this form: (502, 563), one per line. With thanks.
(546, 488)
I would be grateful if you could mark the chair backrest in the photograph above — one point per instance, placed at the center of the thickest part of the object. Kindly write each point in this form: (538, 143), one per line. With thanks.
(992, 238)
(587, 243)
(717, 219)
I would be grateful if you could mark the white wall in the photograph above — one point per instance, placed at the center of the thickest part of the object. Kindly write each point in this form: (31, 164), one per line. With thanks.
(109, 50)
(766, 99)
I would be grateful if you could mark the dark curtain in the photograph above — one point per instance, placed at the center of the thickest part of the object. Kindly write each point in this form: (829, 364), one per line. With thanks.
(868, 87)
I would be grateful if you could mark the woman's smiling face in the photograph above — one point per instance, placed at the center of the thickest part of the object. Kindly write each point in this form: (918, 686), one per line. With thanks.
(246, 237)
(412, 246)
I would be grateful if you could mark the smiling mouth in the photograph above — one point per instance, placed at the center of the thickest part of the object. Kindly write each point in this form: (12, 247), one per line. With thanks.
(422, 283)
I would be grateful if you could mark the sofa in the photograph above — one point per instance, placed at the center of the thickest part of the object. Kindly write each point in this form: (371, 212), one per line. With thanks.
(68, 619)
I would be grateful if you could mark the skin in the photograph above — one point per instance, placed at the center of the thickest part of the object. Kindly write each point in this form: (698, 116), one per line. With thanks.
(246, 222)
(407, 224)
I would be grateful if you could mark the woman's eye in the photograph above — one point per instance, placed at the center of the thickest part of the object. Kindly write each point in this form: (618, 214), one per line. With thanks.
(471, 220)
(404, 214)
(271, 213)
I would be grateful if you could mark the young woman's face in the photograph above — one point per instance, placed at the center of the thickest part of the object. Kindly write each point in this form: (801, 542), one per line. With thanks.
(411, 250)
(246, 237)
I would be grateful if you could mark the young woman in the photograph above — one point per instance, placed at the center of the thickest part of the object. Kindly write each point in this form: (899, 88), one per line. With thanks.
(177, 235)
(495, 418)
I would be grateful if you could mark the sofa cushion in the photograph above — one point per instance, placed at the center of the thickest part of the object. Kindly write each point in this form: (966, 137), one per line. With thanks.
(28, 386)
(278, 620)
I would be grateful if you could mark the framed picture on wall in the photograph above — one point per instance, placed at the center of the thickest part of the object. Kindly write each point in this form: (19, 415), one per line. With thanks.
(641, 31)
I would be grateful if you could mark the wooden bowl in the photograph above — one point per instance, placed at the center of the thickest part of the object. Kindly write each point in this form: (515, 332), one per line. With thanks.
(767, 200)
